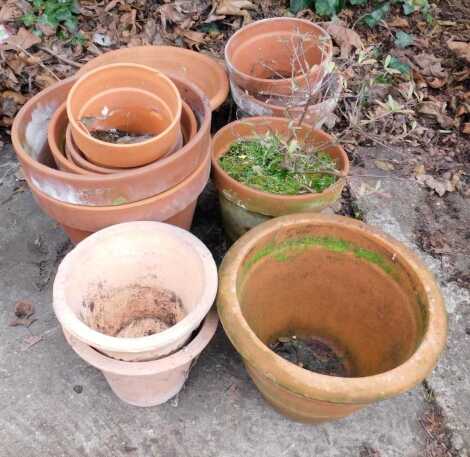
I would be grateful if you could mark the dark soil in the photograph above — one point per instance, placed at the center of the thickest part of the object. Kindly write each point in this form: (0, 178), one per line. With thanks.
(117, 136)
(311, 354)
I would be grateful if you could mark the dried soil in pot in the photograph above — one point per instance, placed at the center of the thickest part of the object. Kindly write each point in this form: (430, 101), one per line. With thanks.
(336, 280)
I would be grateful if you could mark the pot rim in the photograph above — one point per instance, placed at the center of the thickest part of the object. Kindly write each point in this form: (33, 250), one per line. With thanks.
(360, 390)
(216, 154)
(158, 74)
(113, 177)
(181, 357)
(275, 82)
(76, 327)
(211, 62)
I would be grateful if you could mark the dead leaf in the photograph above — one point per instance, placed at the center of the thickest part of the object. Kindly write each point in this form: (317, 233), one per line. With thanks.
(23, 312)
(460, 48)
(466, 128)
(430, 65)
(383, 165)
(420, 170)
(235, 8)
(12, 10)
(30, 341)
(24, 39)
(345, 37)
(399, 22)
(193, 38)
(433, 109)
(440, 187)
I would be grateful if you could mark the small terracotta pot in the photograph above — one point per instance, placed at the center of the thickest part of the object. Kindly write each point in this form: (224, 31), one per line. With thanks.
(130, 97)
(340, 281)
(204, 71)
(242, 206)
(278, 55)
(316, 115)
(29, 137)
(177, 202)
(148, 254)
(149, 383)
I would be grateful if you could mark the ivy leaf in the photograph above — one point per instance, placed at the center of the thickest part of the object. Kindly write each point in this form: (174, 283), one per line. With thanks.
(328, 7)
(357, 2)
(376, 15)
(299, 5)
(410, 6)
(397, 64)
(403, 39)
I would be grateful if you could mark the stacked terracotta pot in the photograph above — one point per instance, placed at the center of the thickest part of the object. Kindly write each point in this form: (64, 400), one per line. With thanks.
(85, 183)
(276, 64)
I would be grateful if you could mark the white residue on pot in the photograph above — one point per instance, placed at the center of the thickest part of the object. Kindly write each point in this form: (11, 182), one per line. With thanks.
(36, 130)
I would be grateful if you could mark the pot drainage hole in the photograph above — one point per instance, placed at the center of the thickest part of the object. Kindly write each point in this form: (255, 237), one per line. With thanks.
(132, 311)
(311, 354)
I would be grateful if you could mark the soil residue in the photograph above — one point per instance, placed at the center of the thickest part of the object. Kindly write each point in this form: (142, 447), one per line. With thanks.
(132, 311)
(117, 136)
(311, 354)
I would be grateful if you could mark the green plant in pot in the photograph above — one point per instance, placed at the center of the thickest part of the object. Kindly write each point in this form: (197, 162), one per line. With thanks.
(265, 167)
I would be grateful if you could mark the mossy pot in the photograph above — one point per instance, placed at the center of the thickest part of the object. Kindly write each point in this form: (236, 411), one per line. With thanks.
(337, 280)
(244, 207)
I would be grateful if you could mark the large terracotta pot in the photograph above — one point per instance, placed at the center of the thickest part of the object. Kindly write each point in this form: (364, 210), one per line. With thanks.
(149, 383)
(137, 99)
(175, 206)
(364, 294)
(147, 254)
(29, 137)
(278, 56)
(204, 71)
(244, 207)
(316, 115)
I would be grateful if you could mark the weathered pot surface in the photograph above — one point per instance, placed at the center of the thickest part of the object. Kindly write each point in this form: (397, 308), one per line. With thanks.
(117, 96)
(120, 258)
(242, 205)
(278, 56)
(342, 282)
(29, 137)
(178, 202)
(204, 71)
(317, 113)
(149, 383)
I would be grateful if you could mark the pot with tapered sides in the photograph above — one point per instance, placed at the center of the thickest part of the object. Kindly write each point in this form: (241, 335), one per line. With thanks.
(124, 291)
(154, 382)
(29, 137)
(365, 308)
(134, 99)
(278, 56)
(243, 207)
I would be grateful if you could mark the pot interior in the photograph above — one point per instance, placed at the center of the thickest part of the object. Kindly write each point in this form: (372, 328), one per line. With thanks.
(345, 292)
(135, 283)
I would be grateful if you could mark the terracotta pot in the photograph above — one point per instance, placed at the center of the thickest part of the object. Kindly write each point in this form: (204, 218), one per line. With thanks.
(316, 115)
(188, 131)
(364, 294)
(149, 383)
(202, 70)
(178, 202)
(244, 207)
(147, 254)
(29, 137)
(278, 55)
(139, 100)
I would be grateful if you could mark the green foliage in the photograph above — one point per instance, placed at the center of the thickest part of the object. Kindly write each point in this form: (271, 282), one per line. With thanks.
(377, 14)
(328, 7)
(259, 162)
(403, 39)
(53, 13)
(299, 5)
(395, 65)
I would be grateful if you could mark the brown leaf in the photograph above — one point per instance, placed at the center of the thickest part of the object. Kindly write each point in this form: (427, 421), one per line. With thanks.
(383, 165)
(433, 109)
(24, 308)
(466, 128)
(234, 8)
(193, 38)
(430, 65)
(346, 38)
(30, 341)
(460, 48)
(24, 39)
(399, 22)
(439, 187)
(13, 10)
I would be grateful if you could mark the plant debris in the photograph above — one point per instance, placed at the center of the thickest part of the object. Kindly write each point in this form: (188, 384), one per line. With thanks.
(311, 354)
(118, 136)
(260, 162)
(24, 311)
